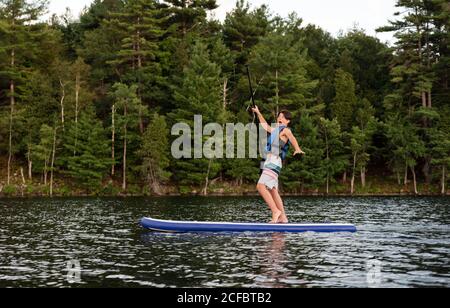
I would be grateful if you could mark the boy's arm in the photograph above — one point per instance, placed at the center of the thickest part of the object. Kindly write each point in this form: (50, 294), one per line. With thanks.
(263, 121)
(294, 142)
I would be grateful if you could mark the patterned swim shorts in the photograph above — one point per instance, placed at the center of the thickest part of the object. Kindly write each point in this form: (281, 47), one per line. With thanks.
(269, 179)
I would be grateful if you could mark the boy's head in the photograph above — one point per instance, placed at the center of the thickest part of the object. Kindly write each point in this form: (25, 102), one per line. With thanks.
(284, 118)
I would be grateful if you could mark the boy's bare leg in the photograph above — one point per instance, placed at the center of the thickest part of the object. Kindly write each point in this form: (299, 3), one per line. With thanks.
(267, 196)
(279, 203)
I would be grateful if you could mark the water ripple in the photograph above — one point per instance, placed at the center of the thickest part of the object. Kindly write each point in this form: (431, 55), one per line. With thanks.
(41, 240)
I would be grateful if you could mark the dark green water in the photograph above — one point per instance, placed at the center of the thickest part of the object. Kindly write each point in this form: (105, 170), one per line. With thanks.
(43, 241)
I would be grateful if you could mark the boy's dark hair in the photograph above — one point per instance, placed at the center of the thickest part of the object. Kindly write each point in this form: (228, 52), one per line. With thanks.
(286, 114)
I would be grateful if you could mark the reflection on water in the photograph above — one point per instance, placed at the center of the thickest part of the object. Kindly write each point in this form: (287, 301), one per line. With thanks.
(274, 270)
(98, 243)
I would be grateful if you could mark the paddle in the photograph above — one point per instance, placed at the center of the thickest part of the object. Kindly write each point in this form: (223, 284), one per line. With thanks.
(250, 86)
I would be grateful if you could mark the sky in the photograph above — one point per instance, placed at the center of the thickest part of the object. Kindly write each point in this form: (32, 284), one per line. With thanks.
(331, 15)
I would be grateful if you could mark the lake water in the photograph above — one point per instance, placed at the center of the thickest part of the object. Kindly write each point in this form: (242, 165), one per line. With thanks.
(79, 242)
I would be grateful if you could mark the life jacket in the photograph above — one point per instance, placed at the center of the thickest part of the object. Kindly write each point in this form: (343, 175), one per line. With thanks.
(274, 140)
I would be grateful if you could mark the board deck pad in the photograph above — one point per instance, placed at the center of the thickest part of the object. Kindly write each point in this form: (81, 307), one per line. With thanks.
(194, 226)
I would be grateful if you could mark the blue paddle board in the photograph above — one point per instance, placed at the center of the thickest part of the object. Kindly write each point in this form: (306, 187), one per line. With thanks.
(186, 226)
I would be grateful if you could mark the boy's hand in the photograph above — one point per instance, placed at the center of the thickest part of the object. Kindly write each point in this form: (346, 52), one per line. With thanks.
(256, 110)
(299, 152)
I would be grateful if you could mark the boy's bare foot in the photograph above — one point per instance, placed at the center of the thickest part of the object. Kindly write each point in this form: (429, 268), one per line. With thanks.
(275, 217)
(283, 219)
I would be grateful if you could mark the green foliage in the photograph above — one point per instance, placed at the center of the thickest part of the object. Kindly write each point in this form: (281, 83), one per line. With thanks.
(345, 99)
(156, 63)
(42, 151)
(404, 143)
(198, 95)
(87, 151)
(307, 171)
(282, 61)
(154, 153)
(243, 29)
(335, 159)
(9, 190)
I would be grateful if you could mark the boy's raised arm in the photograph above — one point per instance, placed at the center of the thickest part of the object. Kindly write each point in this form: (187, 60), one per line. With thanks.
(294, 143)
(263, 121)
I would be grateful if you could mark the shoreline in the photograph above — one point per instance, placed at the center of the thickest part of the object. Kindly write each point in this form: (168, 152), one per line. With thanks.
(63, 189)
(219, 195)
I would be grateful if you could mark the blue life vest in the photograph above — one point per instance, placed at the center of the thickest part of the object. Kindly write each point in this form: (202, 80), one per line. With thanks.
(274, 139)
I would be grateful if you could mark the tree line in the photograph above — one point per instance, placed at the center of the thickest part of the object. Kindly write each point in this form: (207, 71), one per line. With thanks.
(90, 101)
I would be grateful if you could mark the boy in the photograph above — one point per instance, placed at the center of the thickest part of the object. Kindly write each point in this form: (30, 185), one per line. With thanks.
(277, 148)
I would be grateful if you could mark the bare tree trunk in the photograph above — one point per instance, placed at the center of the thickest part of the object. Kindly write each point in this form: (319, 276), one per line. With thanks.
(363, 177)
(22, 175)
(427, 44)
(328, 157)
(414, 179)
(352, 183)
(225, 93)
(277, 94)
(139, 59)
(406, 176)
(153, 181)
(344, 177)
(45, 171)
(205, 189)
(138, 44)
(53, 161)
(113, 128)
(426, 170)
(399, 181)
(63, 96)
(443, 180)
(124, 172)
(141, 122)
(11, 116)
(77, 97)
(419, 43)
(424, 99)
(30, 163)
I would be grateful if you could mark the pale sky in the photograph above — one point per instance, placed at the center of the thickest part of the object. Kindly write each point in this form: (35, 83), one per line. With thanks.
(331, 15)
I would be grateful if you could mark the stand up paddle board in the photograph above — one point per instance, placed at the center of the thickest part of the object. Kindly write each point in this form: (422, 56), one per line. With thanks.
(185, 227)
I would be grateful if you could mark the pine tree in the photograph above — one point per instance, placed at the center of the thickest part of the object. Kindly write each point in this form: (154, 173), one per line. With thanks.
(405, 145)
(185, 21)
(345, 100)
(139, 27)
(307, 172)
(283, 61)
(242, 170)
(128, 108)
(363, 135)
(335, 158)
(421, 46)
(89, 141)
(360, 142)
(243, 29)
(17, 42)
(42, 152)
(93, 17)
(412, 71)
(440, 142)
(200, 94)
(369, 61)
(155, 153)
